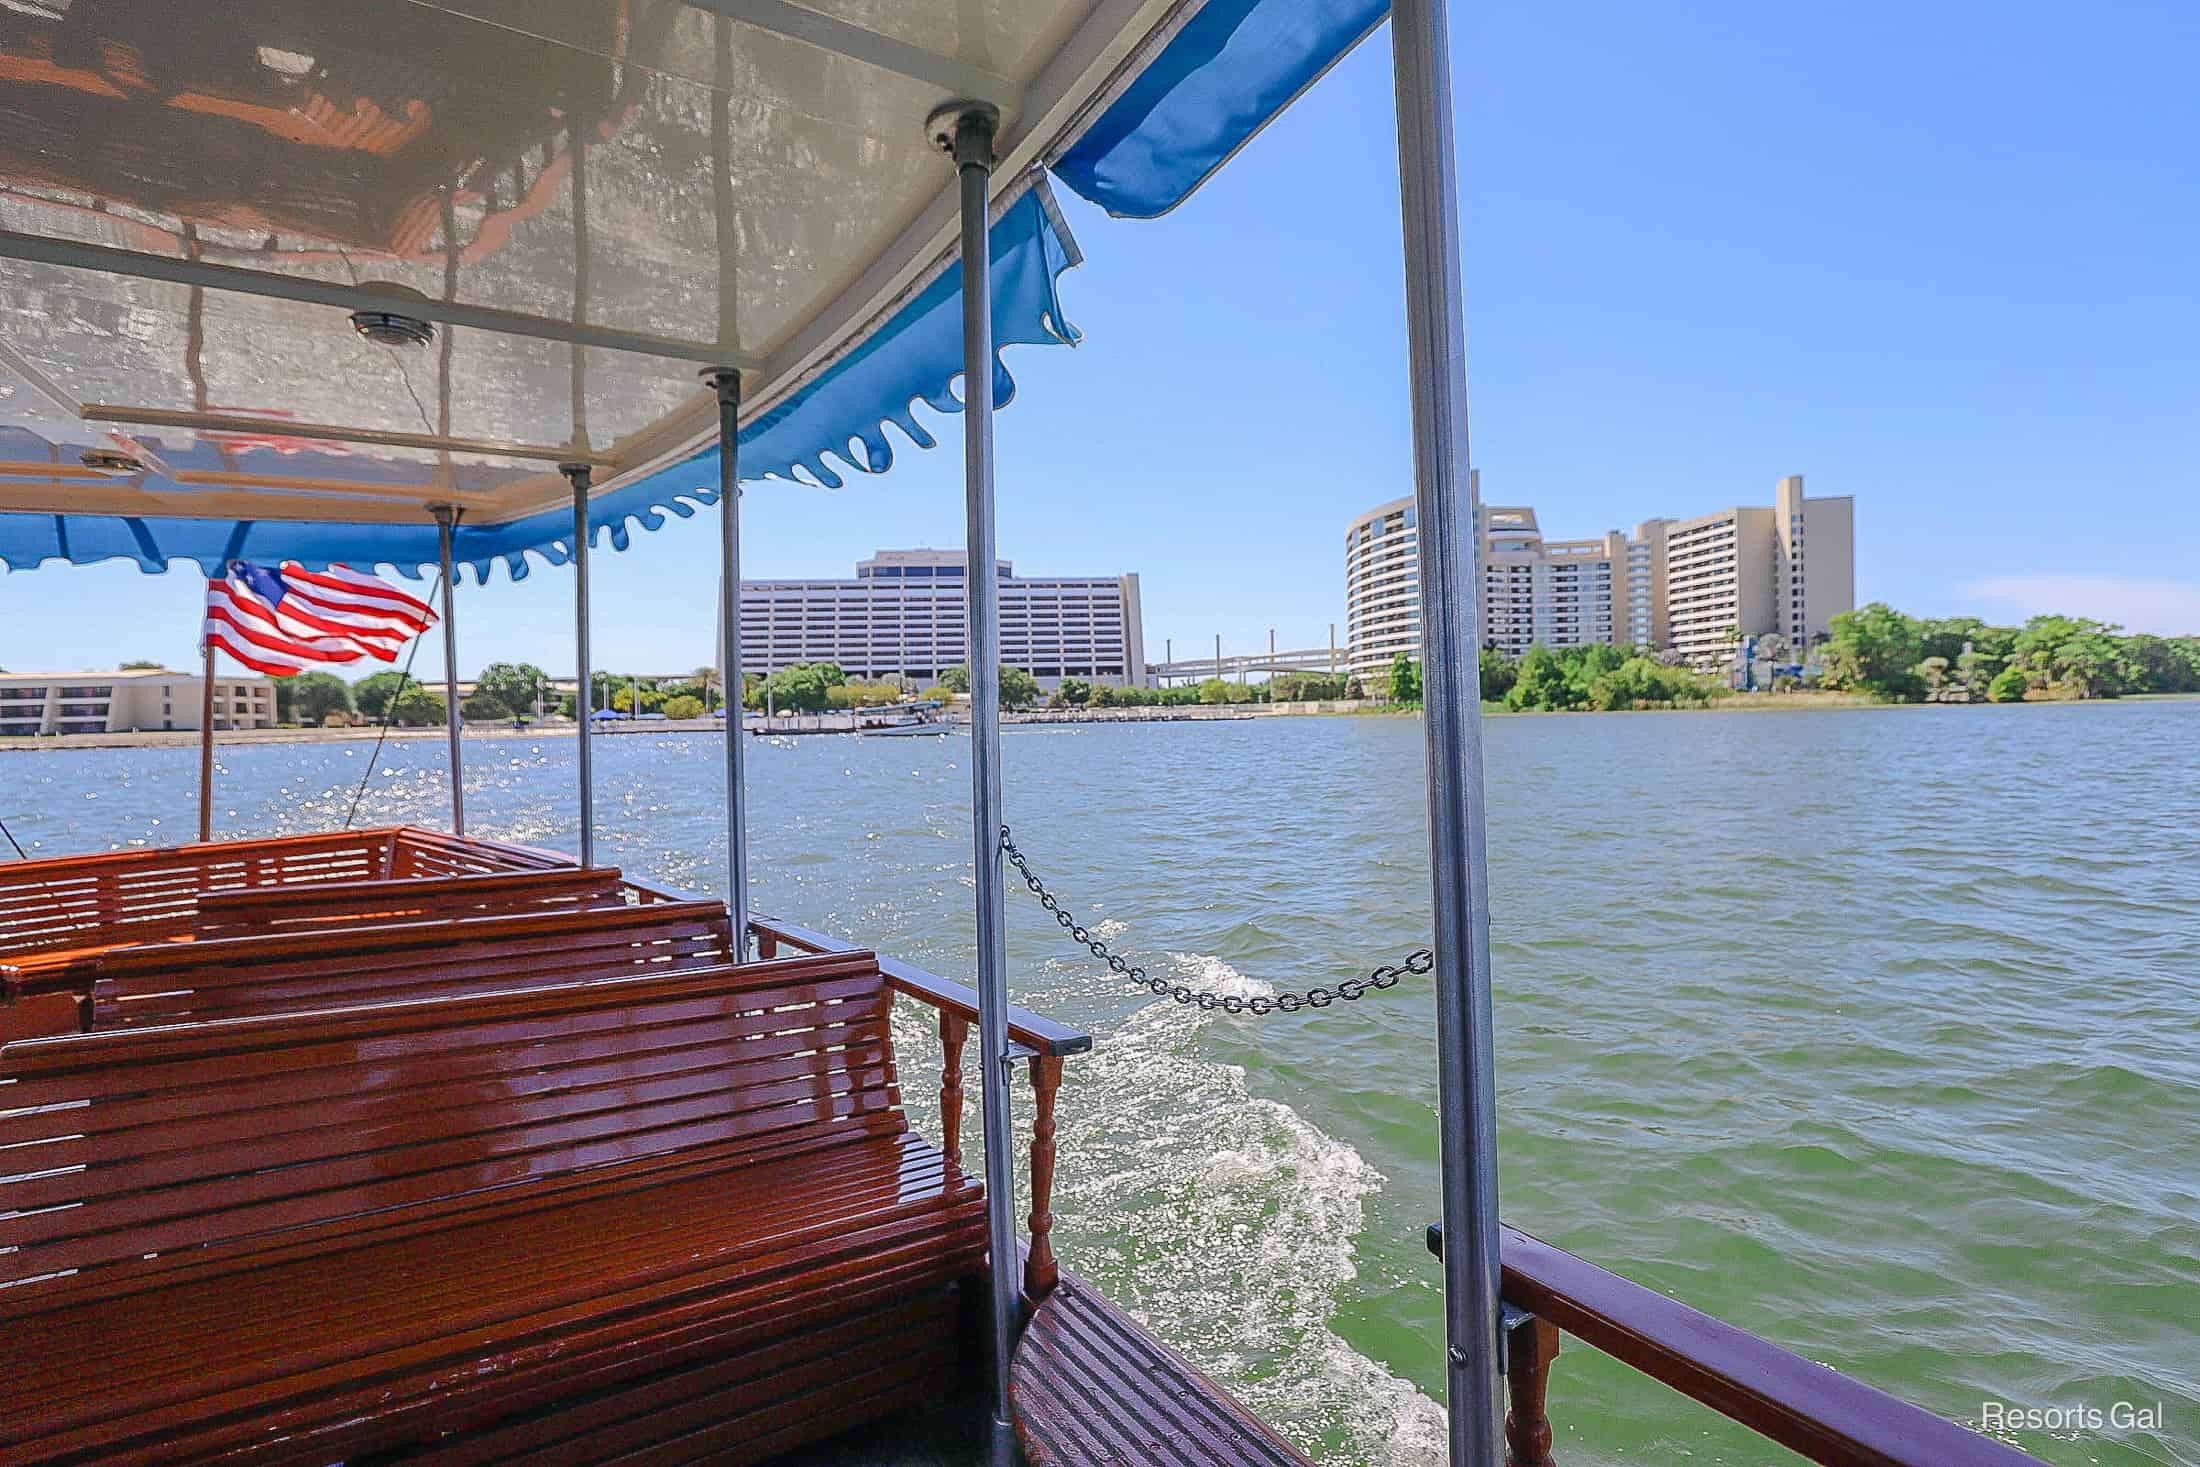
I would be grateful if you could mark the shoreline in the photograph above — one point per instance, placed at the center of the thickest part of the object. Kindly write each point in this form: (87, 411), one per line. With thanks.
(1060, 717)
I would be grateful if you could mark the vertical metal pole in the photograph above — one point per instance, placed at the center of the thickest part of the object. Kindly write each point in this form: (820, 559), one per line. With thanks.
(584, 704)
(445, 517)
(206, 747)
(1437, 373)
(971, 141)
(728, 383)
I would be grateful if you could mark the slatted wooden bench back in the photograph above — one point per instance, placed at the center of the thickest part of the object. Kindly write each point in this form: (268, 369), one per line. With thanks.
(417, 852)
(324, 905)
(240, 976)
(146, 1154)
(144, 896)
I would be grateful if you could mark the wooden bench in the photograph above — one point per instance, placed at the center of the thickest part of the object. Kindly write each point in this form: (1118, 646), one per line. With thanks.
(235, 977)
(680, 1211)
(56, 911)
(1089, 1388)
(420, 898)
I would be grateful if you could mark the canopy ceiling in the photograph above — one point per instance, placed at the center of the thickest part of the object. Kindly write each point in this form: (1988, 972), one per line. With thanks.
(592, 199)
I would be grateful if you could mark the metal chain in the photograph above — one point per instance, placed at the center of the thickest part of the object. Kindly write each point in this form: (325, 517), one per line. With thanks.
(1420, 960)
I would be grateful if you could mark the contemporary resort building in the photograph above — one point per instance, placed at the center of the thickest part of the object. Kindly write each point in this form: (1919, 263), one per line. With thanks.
(1756, 571)
(1694, 585)
(903, 615)
(127, 702)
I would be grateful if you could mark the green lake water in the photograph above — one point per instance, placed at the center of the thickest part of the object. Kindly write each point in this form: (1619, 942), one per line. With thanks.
(1876, 1032)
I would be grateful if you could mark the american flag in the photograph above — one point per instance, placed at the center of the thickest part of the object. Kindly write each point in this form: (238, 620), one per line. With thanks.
(276, 619)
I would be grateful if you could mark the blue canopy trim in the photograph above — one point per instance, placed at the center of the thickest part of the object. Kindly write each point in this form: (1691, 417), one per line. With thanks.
(1234, 66)
(915, 355)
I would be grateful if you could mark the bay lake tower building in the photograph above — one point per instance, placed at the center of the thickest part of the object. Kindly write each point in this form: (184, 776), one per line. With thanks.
(904, 615)
(1693, 586)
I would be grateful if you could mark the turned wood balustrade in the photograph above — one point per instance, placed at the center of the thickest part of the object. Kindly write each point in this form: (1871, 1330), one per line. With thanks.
(1040, 1042)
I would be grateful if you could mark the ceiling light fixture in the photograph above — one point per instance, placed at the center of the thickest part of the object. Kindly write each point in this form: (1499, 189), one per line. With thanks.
(392, 328)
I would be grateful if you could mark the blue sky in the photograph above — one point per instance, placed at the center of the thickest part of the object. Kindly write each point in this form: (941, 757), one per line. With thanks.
(1941, 258)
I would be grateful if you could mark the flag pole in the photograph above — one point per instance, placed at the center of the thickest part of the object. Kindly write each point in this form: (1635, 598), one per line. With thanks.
(206, 747)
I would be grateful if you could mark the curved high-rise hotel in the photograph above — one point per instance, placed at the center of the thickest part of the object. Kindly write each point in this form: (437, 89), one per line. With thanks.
(1692, 585)
(1382, 587)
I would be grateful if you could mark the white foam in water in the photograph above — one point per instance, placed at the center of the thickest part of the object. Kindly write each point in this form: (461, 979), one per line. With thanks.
(1225, 1222)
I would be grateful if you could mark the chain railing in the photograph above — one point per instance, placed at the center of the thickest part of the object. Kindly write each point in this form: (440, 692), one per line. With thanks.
(1417, 962)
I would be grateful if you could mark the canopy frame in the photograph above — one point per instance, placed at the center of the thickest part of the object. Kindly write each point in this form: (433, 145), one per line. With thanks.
(1451, 690)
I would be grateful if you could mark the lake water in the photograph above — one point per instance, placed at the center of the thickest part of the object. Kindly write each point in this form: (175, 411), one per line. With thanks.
(1874, 1032)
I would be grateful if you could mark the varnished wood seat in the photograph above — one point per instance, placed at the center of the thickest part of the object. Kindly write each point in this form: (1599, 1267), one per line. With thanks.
(647, 1210)
(329, 904)
(1089, 1388)
(238, 976)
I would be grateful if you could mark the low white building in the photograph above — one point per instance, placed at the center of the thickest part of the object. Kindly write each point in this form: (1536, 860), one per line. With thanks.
(127, 702)
(906, 615)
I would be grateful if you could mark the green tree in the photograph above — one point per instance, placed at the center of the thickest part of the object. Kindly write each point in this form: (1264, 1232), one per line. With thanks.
(705, 680)
(2069, 656)
(1305, 687)
(2009, 686)
(315, 695)
(519, 686)
(1874, 649)
(1019, 689)
(1214, 692)
(800, 688)
(1944, 636)
(684, 706)
(1405, 679)
(1076, 692)
(371, 695)
(484, 708)
(141, 666)
(416, 707)
(1497, 675)
(1540, 682)
(938, 693)
(956, 679)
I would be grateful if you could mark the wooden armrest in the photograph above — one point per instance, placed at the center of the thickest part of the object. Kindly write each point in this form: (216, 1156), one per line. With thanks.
(1776, 1393)
(1042, 1034)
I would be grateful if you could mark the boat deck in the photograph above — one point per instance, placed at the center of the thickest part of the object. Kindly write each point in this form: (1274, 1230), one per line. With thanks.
(1092, 1389)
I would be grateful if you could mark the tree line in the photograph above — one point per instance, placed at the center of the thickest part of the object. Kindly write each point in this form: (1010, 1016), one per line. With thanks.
(1882, 652)
(1596, 676)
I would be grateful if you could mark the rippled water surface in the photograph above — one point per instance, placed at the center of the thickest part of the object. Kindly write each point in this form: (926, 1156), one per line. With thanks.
(1875, 1032)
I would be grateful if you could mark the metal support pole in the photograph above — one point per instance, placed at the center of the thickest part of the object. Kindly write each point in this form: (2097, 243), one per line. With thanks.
(967, 129)
(445, 518)
(1451, 691)
(206, 747)
(728, 383)
(584, 702)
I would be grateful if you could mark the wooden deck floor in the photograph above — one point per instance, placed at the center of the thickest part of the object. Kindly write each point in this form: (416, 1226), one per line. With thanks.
(1091, 1389)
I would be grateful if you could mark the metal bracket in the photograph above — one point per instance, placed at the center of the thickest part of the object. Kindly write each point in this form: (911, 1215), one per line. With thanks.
(943, 125)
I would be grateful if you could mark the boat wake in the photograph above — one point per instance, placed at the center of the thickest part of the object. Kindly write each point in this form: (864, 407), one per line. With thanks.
(1226, 1223)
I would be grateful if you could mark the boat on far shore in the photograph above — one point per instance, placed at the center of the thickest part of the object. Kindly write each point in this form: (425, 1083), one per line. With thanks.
(901, 721)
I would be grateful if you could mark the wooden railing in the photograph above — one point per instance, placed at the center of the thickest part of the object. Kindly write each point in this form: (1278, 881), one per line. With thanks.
(1039, 1041)
(1802, 1405)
